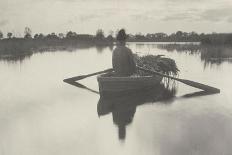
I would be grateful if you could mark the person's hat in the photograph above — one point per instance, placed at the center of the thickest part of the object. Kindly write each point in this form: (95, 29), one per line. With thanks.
(121, 36)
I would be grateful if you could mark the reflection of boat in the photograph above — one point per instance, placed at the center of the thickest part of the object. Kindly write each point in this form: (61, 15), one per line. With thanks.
(123, 106)
(109, 83)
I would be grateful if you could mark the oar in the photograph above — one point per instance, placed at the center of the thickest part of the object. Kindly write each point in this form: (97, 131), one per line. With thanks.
(187, 82)
(76, 78)
(81, 86)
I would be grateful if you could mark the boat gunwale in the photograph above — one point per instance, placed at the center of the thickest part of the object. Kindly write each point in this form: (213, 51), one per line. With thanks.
(129, 78)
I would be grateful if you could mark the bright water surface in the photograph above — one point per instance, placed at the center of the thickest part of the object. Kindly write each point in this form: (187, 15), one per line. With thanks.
(42, 115)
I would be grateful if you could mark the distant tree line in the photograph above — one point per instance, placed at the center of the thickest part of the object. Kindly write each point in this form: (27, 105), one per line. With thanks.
(100, 38)
(69, 35)
(179, 36)
(40, 42)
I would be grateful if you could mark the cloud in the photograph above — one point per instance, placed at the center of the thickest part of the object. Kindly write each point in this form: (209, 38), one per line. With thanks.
(142, 16)
(230, 19)
(180, 15)
(88, 17)
(3, 22)
(83, 15)
(211, 15)
(218, 14)
(106, 14)
(93, 15)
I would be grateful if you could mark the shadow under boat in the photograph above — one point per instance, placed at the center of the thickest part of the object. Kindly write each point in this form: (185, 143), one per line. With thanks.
(123, 105)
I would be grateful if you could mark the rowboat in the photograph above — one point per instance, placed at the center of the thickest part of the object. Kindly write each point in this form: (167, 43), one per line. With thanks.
(109, 83)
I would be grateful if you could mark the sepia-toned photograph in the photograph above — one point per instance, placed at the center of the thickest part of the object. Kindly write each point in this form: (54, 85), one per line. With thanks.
(115, 77)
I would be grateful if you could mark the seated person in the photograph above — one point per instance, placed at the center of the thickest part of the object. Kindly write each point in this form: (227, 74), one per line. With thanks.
(122, 58)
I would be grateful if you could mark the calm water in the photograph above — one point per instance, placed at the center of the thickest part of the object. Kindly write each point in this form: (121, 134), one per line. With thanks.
(42, 115)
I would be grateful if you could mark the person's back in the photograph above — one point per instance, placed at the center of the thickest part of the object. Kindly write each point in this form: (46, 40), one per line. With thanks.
(122, 58)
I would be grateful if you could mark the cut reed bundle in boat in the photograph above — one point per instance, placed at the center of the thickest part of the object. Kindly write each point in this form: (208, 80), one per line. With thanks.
(157, 63)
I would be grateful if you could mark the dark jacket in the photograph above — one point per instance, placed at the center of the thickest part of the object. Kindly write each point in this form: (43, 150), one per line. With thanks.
(123, 61)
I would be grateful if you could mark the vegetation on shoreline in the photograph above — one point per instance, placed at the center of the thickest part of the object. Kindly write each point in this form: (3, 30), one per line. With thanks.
(51, 42)
(71, 40)
(12, 48)
(209, 54)
(179, 36)
(217, 39)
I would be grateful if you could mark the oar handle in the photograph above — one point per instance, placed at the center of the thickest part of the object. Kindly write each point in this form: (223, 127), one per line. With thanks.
(157, 73)
(92, 74)
(76, 78)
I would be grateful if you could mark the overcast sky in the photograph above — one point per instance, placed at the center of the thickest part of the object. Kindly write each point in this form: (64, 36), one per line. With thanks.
(86, 16)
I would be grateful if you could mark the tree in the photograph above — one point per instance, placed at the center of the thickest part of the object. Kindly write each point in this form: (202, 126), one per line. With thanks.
(193, 36)
(228, 39)
(36, 36)
(41, 36)
(1, 35)
(27, 33)
(61, 35)
(139, 37)
(52, 36)
(179, 33)
(100, 34)
(9, 35)
(110, 38)
(178, 36)
(131, 37)
(71, 34)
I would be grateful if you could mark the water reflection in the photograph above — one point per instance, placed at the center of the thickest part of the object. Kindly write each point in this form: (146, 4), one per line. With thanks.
(100, 48)
(199, 93)
(40, 112)
(111, 47)
(123, 106)
(15, 57)
(209, 54)
(21, 56)
(216, 54)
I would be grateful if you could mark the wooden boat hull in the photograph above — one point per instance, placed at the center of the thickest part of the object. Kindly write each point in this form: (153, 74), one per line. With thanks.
(111, 84)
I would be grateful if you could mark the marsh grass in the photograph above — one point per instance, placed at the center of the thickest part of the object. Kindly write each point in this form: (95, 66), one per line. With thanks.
(209, 54)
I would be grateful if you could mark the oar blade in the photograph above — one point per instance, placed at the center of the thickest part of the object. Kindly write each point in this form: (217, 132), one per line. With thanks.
(200, 86)
(76, 78)
(187, 82)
